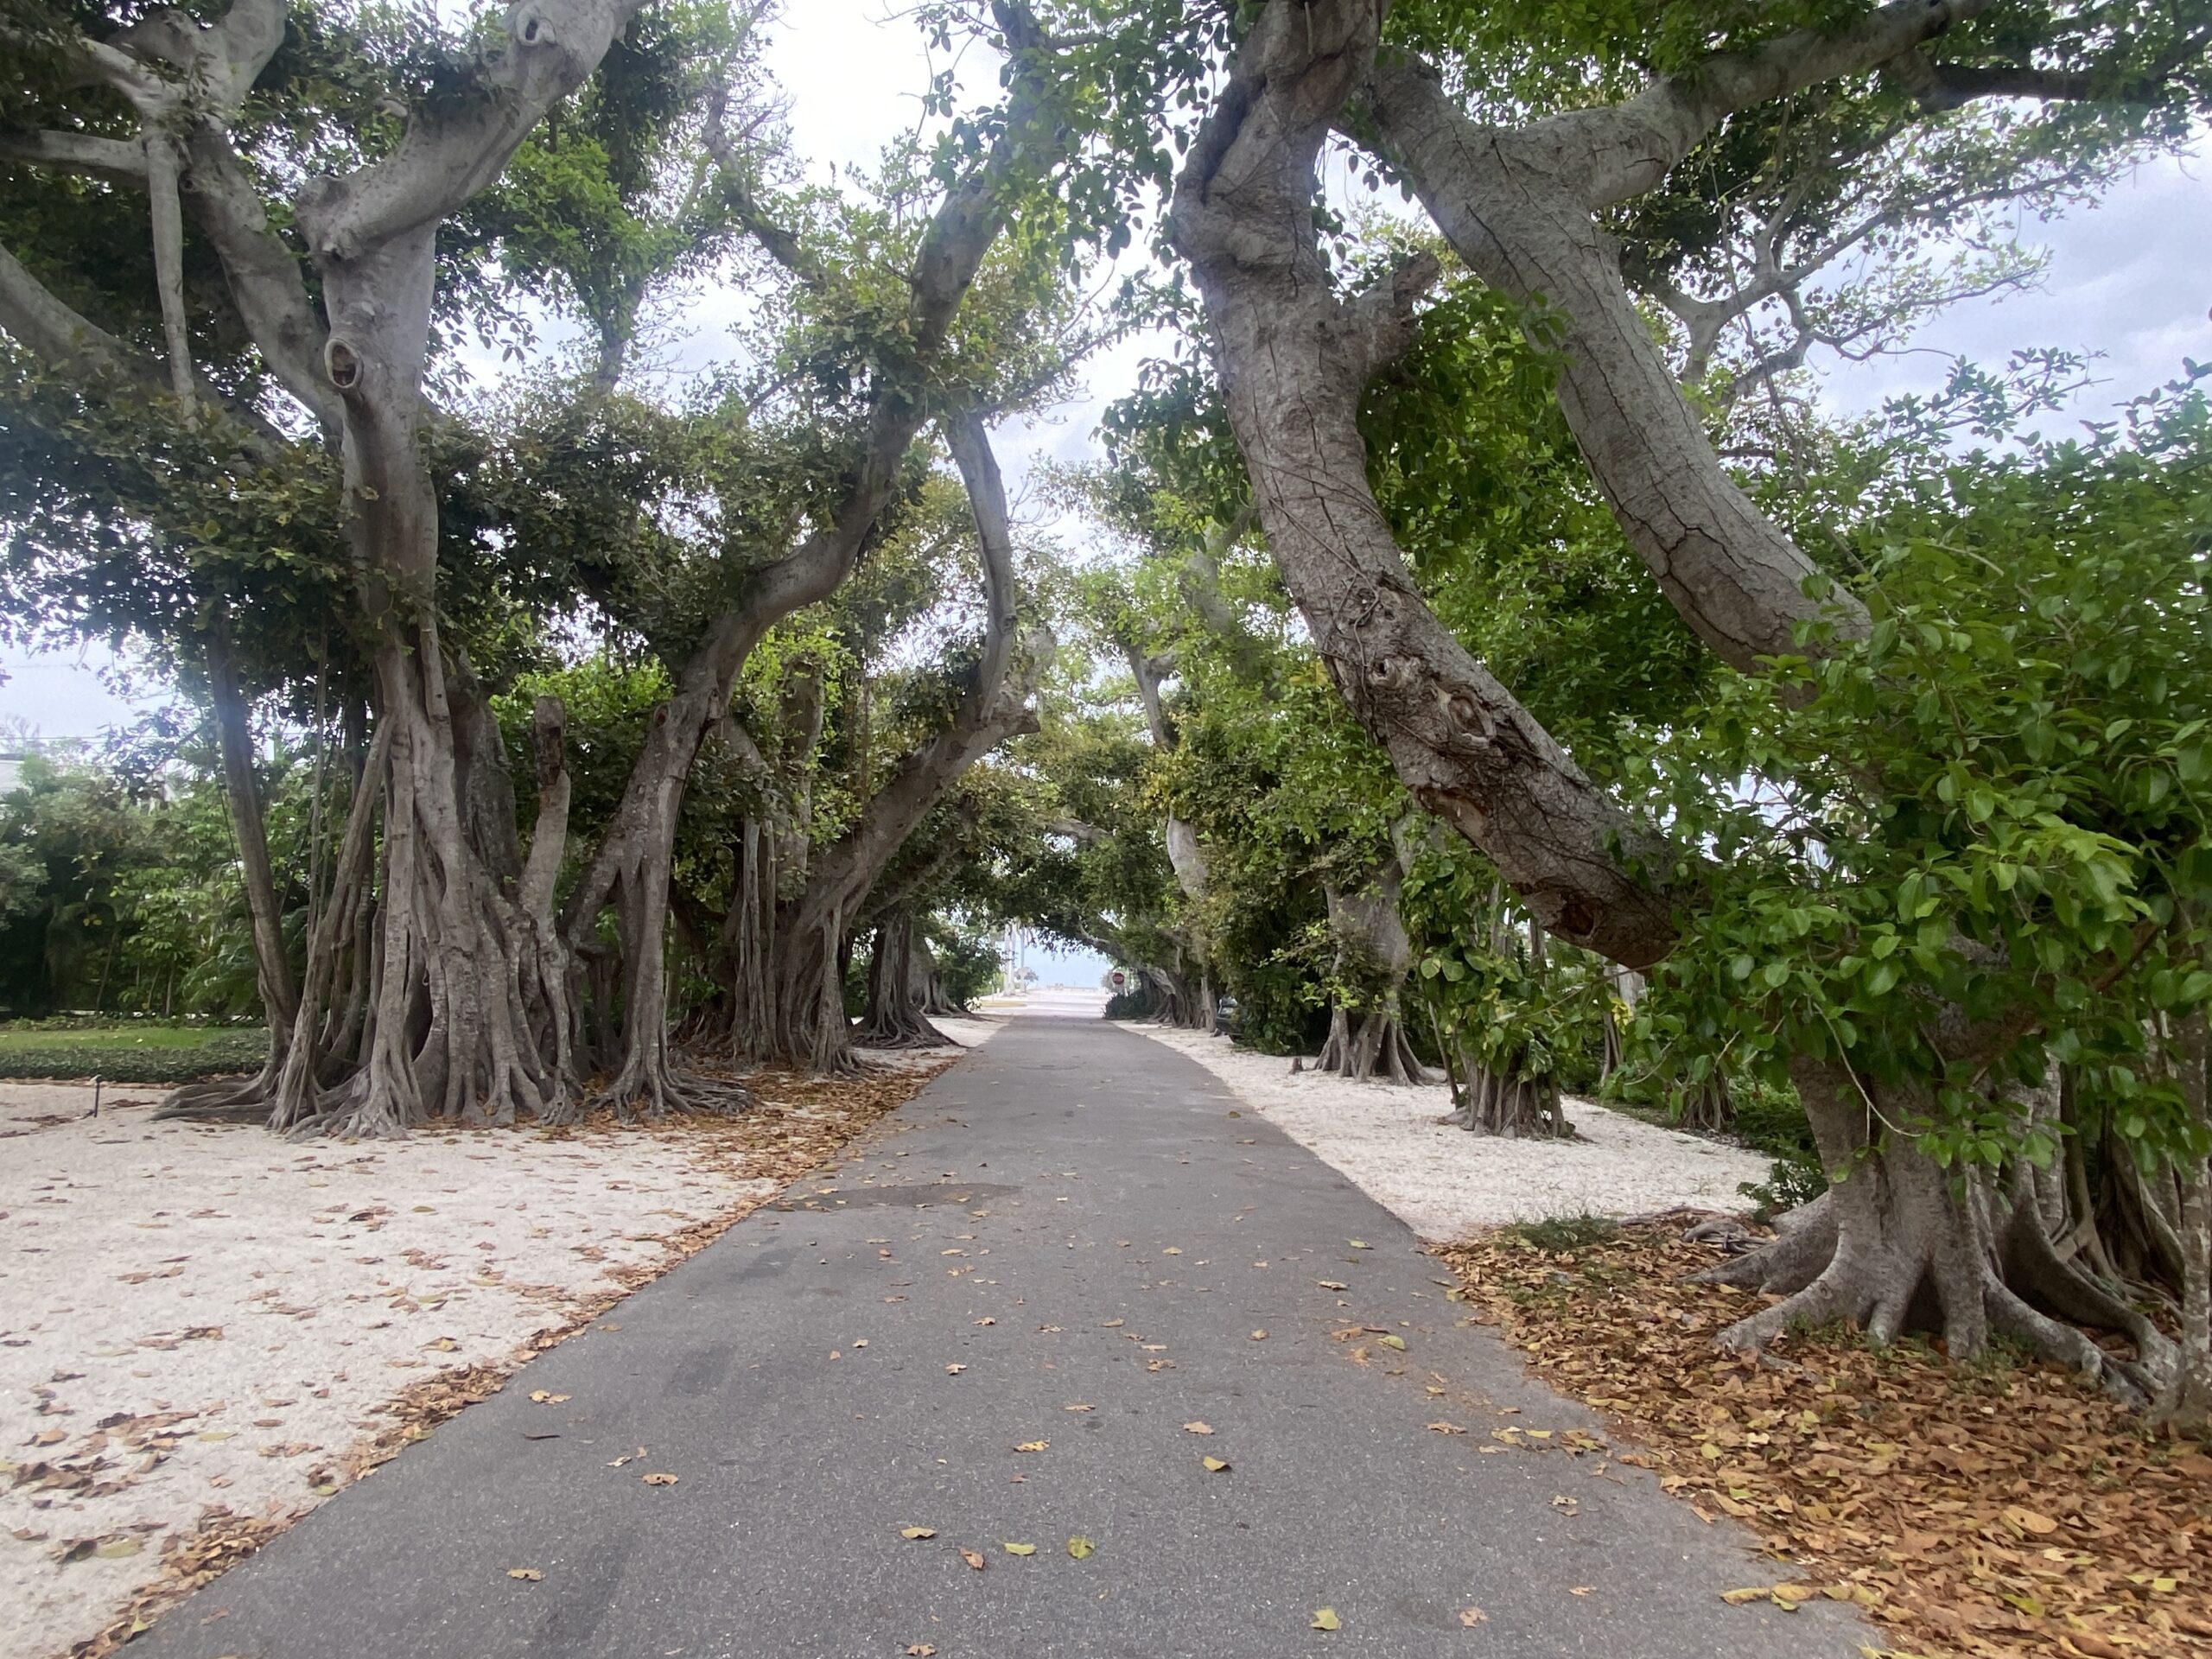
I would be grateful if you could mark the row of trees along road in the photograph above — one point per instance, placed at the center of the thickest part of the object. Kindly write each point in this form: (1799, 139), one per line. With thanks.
(1499, 625)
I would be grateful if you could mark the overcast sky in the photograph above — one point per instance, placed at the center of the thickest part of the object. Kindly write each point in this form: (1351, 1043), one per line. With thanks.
(2132, 280)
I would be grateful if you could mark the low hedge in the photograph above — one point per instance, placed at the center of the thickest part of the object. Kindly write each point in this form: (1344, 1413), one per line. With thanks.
(223, 1053)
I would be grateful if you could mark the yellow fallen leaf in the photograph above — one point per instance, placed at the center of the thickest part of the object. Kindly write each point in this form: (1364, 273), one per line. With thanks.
(1081, 1548)
(539, 1397)
(1359, 1245)
(1034, 1445)
(1739, 1598)
(1214, 1465)
(114, 1549)
(1393, 1341)
(1017, 1549)
(529, 1573)
(1259, 1336)
(918, 1532)
(974, 1558)
(1326, 1619)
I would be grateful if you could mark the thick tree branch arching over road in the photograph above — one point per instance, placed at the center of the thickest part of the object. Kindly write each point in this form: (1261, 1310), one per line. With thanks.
(1294, 359)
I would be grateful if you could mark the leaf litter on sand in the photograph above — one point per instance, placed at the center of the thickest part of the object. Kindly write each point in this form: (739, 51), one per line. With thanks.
(1978, 1512)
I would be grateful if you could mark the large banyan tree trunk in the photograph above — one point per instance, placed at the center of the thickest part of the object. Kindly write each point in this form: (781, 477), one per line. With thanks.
(898, 989)
(1372, 944)
(804, 1022)
(630, 870)
(1899, 1244)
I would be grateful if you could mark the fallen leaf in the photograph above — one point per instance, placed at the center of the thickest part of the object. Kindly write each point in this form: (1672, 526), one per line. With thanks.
(1034, 1445)
(919, 1651)
(2029, 1520)
(114, 1549)
(1326, 1619)
(1581, 1589)
(954, 1370)
(1081, 1549)
(1078, 1407)
(1197, 1428)
(1471, 1617)
(1259, 1336)
(539, 1397)
(659, 1480)
(1215, 1465)
(1017, 1549)
(1447, 1428)
(1333, 1284)
(1359, 1245)
(918, 1532)
(974, 1558)
(530, 1573)
(1391, 1339)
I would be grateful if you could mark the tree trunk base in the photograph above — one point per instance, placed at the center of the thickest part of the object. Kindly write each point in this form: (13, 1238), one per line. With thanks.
(1890, 1248)
(1512, 1107)
(1378, 1051)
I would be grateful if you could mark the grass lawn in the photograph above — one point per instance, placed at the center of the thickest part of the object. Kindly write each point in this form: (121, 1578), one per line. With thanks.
(128, 1052)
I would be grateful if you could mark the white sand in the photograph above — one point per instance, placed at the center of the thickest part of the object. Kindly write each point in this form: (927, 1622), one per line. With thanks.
(1444, 1183)
(236, 1308)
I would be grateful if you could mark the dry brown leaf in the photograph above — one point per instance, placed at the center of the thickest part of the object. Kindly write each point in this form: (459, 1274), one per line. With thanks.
(918, 1532)
(659, 1480)
(974, 1558)
(531, 1574)
(1197, 1428)
(1471, 1617)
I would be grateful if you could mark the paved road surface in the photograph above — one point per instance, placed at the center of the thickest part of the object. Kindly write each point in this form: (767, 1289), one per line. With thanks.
(1074, 1216)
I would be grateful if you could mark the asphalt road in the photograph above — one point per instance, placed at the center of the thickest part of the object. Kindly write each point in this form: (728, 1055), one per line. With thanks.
(1074, 1217)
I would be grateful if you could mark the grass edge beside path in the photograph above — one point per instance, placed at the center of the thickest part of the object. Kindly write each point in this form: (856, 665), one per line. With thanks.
(223, 1539)
(1979, 1512)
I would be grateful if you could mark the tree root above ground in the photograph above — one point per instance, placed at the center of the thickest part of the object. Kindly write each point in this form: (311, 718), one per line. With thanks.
(1986, 1510)
(1898, 1245)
